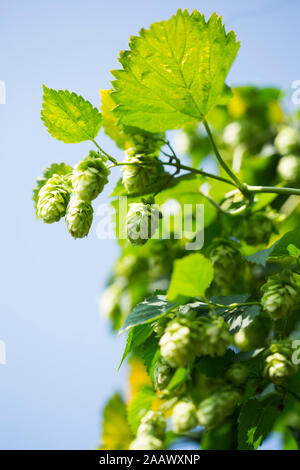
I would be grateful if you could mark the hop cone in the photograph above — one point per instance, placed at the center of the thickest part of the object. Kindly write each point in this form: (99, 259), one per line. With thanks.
(226, 259)
(184, 416)
(146, 442)
(213, 410)
(53, 199)
(162, 374)
(278, 365)
(143, 171)
(254, 335)
(256, 229)
(146, 143)
(287, 140)
(213, 337)
(79, 217)
(281, 294)
(153, 424)
(89, 177)
(237, 374)
(289, 168)
(177, 343)
(141, 222)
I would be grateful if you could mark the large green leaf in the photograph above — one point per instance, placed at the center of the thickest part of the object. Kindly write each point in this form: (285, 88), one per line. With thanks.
(190, 278)
(256, 422)
(279, 249)
(139, 406)
(116, 434)
(147, 311)
(174, 72)
(69, 117)
(136, 336)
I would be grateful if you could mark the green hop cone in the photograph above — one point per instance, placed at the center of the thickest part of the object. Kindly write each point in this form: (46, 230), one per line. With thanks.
(226, 258)
(146, 442)
(53, 199)
(162, 374)
(289, 169)
(146, 143)
(278, 364)
(256, 229)
(254, 335)
(184, 416)
(237, 374)
(142, 171)
(154, 424)
(79, 217)
(281, 294)
(213, 337)
(213, 410)
(141, 222)
(287, 140)
(89, 177)
(177, 344)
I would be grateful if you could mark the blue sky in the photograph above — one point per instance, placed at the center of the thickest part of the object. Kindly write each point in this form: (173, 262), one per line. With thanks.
(61, 359)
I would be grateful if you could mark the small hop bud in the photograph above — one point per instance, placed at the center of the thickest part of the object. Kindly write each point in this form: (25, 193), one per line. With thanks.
(141, 171)
(287, 140)
(281, 294)
(278, 365)
(177, 343)
(154, 424)
(79, 217)
(146, 442)
(89, 177)
(256, 229)
(162, 374)
(53, 199)
(226, 258)
(184, 416)
(254, 335)
(141, 222)
(213, 338)
(237, 374)
(213, 410)
(289, 169)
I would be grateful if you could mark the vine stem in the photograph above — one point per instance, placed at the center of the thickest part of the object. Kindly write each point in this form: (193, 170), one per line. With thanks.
(273, 189)
(112, 159)
(242, 187)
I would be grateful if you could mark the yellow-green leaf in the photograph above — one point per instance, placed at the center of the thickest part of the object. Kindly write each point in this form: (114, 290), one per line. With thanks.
(191, 277)
(69, 117)
(174, 72)
(116, 434)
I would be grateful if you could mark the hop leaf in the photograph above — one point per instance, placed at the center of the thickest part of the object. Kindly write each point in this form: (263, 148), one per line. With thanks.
(53, 199)
(174, 72)
(89, 177)
(69, 117)
(281, 294)
(141, 222)
(79, 217)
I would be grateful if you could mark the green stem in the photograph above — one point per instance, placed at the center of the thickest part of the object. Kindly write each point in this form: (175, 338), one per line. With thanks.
(112, 159)
(273, 190)
(201, 172)
(224, 165)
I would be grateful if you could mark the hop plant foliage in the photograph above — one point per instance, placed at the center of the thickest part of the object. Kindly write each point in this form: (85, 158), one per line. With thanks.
(212, 321)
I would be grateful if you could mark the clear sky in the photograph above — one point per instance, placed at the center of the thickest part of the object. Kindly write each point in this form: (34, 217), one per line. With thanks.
(61, 359)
